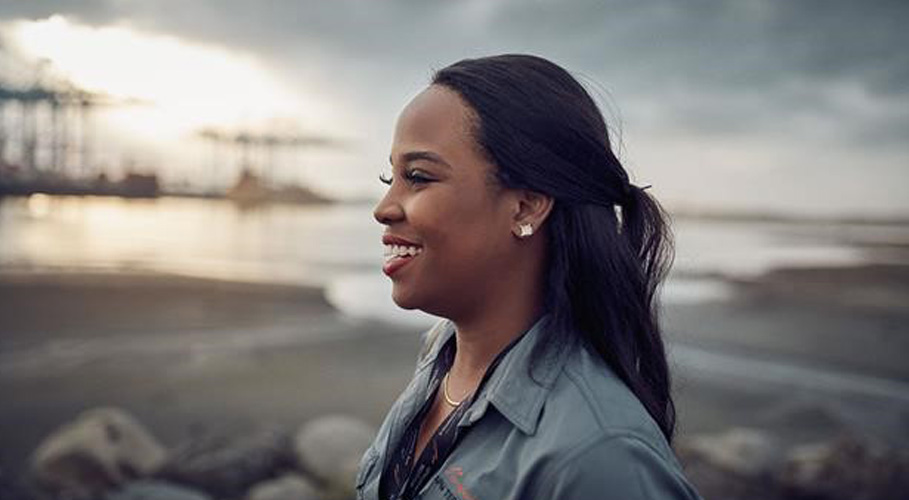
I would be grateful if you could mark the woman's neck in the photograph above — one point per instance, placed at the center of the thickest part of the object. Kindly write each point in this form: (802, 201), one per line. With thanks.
(509, 306)
(480, 341)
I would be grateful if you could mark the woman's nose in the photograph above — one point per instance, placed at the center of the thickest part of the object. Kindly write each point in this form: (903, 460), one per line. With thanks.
(388, 210)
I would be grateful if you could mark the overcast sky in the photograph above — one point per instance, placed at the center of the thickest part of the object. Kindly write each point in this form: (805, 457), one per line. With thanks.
(770, 105)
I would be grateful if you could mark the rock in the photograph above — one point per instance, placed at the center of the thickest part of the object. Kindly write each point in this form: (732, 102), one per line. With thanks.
(846, 468)
(226, 465)
(742, 451)
(101, 449)
(288, 487)
(736, 464)
(330, 448)
(156, 490)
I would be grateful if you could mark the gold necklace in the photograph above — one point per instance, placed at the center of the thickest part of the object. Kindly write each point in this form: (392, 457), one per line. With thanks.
(445, 394)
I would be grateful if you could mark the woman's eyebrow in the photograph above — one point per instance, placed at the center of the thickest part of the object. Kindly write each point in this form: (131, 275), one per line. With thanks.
(411, 156)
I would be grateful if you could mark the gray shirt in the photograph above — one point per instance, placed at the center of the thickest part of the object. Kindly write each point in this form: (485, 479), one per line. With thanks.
(575, 432)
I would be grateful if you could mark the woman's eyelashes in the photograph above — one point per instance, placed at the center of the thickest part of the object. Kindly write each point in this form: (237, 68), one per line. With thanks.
(412, 176)
(417, 176)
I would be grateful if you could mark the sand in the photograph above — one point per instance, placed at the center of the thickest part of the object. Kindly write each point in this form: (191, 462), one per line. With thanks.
(177, 353)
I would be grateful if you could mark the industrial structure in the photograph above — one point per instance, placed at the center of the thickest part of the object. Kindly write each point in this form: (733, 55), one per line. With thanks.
(46, 141)
(255, 154)
(47, 145)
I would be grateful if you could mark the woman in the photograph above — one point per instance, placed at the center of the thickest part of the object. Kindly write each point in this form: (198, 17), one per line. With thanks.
(508, 215)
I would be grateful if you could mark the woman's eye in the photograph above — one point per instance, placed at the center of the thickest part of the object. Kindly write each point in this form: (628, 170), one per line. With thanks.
(413, 176)
(416, 176)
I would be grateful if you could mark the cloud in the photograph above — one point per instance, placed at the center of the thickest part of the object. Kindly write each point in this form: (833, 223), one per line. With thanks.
(722, 45)
(797, 75)
(89, 11)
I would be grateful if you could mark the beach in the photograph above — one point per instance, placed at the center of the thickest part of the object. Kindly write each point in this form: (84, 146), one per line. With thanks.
(216, 356)
(791, 352)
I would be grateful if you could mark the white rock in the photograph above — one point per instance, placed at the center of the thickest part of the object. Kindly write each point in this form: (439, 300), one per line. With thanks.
(330, 449)
(101, 449)
(848, 467)
(743, 451)
(287, 487)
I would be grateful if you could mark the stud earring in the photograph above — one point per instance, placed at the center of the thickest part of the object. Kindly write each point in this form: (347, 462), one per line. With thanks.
(526, 230)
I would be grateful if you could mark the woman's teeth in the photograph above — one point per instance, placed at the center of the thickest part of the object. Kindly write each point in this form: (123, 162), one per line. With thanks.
(392, 251)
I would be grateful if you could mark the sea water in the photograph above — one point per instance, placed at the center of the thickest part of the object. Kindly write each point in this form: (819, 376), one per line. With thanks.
(338, 246)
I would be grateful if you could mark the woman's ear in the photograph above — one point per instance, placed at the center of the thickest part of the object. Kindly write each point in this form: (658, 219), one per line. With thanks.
(531, 210)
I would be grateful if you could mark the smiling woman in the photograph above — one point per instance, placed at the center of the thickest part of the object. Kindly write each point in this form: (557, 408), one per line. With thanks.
(508, 215)
(454, 214)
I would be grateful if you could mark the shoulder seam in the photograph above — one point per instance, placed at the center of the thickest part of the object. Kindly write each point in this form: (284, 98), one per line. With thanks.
(585, 393)
(582, 385)
(605, 436)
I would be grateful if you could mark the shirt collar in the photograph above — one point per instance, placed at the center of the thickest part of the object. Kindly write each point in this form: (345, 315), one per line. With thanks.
(510, 388)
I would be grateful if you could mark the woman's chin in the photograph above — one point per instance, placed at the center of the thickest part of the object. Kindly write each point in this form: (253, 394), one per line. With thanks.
(403, 299)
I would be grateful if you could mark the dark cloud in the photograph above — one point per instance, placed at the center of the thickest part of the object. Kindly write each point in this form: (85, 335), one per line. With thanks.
(89, 11)
(744, 45)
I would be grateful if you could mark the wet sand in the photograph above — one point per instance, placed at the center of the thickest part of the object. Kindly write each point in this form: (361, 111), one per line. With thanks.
(188, 355)
(850, 318)
(814, 352)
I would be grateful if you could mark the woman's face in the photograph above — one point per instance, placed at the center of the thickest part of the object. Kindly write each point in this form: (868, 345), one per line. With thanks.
(445, 209)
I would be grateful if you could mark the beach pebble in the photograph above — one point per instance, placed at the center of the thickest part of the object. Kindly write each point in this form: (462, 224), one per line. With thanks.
(846, 468)
(734, 465)
(227, 465)
(742, 451)
(288, 487)
(156, 490)
(330, 448)
(101, 449)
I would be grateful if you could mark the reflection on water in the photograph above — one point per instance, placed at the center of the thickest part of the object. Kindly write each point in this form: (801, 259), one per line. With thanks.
(292, 244)
(736, 248)
(339, 246)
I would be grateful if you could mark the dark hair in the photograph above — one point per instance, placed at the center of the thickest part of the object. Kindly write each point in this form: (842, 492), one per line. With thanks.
(544, 133)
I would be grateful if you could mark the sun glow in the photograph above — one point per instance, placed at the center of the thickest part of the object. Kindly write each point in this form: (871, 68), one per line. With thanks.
(186, 85)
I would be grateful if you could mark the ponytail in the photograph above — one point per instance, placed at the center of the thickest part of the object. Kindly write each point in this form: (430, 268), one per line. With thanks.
(645, 226)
